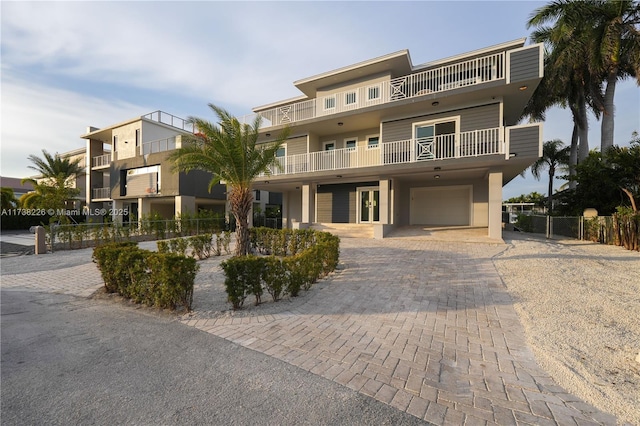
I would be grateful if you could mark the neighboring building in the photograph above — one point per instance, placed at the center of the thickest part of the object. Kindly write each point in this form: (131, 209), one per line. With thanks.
(130, 170)
(19, 189)
(384, 143)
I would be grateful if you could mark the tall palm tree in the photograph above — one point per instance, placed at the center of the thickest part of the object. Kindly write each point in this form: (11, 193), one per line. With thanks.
(8, 198)
(53, 187)
(616, 45)
(554, 157)
(230, 152)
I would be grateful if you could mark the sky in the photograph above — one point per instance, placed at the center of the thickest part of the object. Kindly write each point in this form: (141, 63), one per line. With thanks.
(70, 65)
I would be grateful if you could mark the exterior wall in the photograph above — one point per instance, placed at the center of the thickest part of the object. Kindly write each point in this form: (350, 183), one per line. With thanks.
(337, 203)
(524, 64)
(525, 141)
(482, 117)
(126, 145)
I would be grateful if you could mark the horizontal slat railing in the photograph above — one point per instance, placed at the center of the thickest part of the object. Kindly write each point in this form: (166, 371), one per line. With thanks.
(466, 73)
(465, 144)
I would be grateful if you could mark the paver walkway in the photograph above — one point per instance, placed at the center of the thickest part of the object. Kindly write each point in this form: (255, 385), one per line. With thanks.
(424, 326)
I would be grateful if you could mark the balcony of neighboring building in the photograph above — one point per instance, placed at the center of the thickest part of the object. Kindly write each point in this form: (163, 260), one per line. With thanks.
(102, 161)
(101, 194)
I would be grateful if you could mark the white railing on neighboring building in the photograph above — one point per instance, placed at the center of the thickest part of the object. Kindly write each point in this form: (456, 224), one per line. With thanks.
(101, 193)
(170, 120)
(159, 145)
(462, 74)
(103, 160)
(465, 144)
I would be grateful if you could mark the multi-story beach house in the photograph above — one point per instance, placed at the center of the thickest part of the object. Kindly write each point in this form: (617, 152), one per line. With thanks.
(129, 169)
(384, 143)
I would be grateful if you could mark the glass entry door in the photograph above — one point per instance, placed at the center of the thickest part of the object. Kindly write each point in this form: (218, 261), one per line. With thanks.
(369, 205)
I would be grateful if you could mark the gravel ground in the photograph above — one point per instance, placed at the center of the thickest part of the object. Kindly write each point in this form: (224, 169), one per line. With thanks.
(580, 305)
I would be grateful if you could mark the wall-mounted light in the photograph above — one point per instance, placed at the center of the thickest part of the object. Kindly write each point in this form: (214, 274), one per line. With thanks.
(523, 88)
(340, 123)
(435, 103)
(436, 177)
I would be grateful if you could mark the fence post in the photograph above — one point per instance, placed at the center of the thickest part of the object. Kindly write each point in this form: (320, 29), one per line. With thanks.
(549, 224)
(581, 229)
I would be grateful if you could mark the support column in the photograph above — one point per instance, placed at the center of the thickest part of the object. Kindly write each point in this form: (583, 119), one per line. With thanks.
(308, 203)
(118, 206)
(382, 228)
(184, 204)
(286, 223)
(495, 205)
(144, 207)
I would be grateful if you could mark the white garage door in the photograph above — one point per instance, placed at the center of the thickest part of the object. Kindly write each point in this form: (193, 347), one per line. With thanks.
(448, 205)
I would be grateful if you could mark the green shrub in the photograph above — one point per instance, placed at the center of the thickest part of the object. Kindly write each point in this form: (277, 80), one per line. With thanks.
(171, 280)
(163, 247)
(179, 246)
(201, 246)
(236, 281)
(275, 277)
(106, 257)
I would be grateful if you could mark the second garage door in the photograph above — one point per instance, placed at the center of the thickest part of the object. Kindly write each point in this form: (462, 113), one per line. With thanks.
(447, 205)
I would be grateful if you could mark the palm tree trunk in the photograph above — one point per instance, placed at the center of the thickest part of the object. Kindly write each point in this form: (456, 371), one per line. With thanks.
(606, 130)
(240, 201)
(573, 156)
(552, 172)
(583, 130)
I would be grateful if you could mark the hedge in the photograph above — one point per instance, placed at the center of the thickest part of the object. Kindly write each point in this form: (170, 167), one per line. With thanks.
(155, 279)
(295, 259)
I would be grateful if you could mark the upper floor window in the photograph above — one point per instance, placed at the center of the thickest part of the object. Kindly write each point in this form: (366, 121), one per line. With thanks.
(137, 138)
(330, 102)
(350, 98)
(373, 141)
(329, 146)
(115, 143)
(350, 143)
(373, 93)
(281, 152)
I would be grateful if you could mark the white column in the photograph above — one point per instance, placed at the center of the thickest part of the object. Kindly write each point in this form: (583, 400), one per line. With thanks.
(385, 201)
(308, 203)
(286, 223)
(118, 206)
(184, 204)
(495, 205)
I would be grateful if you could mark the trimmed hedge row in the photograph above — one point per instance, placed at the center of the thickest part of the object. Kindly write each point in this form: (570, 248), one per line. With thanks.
(309, 255)
(155, 279)
(202, 246)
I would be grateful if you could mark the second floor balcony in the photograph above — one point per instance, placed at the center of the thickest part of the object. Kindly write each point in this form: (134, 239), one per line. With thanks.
(441, 147)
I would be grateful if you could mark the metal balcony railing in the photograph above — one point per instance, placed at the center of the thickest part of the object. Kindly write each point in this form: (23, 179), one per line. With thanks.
(101, 193)
(170, 120)
(159, 145)
(103, 160)
(465, 144)
(449, 77)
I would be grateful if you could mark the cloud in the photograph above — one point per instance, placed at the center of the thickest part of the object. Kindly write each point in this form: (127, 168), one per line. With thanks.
(36, 117)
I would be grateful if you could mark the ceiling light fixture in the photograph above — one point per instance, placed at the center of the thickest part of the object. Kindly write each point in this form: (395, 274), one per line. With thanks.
(435, 103)
(523, 88)
(437, 176)
(267, 134)
(340, 123)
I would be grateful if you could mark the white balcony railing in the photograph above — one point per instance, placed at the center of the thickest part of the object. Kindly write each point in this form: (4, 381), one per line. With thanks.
(101, 193)
(159, 145)
(101, 160)
(170, 120)
(449, 77)
(466, 144)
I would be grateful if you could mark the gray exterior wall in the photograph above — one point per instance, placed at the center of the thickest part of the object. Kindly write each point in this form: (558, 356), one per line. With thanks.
(524, 64)
(482, 117)
(337, 203)
(297, 145)
(525, 141)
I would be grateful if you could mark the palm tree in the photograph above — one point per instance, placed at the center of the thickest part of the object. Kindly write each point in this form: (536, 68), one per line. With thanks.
(599, 39)
(53, 186)
(229, 151)
(554, 157)
(616, 44)
(8, 198)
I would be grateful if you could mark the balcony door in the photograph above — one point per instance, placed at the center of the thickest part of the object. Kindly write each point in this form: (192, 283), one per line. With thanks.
(368, 205)
(436, 139)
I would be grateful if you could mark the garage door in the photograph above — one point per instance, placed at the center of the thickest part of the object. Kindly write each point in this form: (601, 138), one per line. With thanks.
(448, 205)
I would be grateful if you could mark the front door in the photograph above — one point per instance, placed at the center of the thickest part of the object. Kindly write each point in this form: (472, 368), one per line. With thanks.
(425, 137)
(369, 205)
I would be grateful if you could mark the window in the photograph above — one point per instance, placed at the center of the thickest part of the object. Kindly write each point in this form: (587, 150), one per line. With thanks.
(115, 143)
(350, 98)
(350, 143)
(257, 195)
(329, 146)
(137, 138)
(281, 152)
(372, 141)
(329, 102)
(373, 93)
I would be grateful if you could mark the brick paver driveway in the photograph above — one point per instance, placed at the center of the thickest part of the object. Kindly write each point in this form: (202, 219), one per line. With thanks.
(425, 326)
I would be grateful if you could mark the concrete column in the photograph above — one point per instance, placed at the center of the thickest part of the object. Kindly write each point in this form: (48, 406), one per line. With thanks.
(184, 204)
(118, 206)
(144, 207)
(495, 205)
(40, 243)
(385, 201)
(308, 203)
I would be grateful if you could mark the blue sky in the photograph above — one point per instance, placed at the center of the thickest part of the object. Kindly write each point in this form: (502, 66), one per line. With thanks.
(69, 65)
